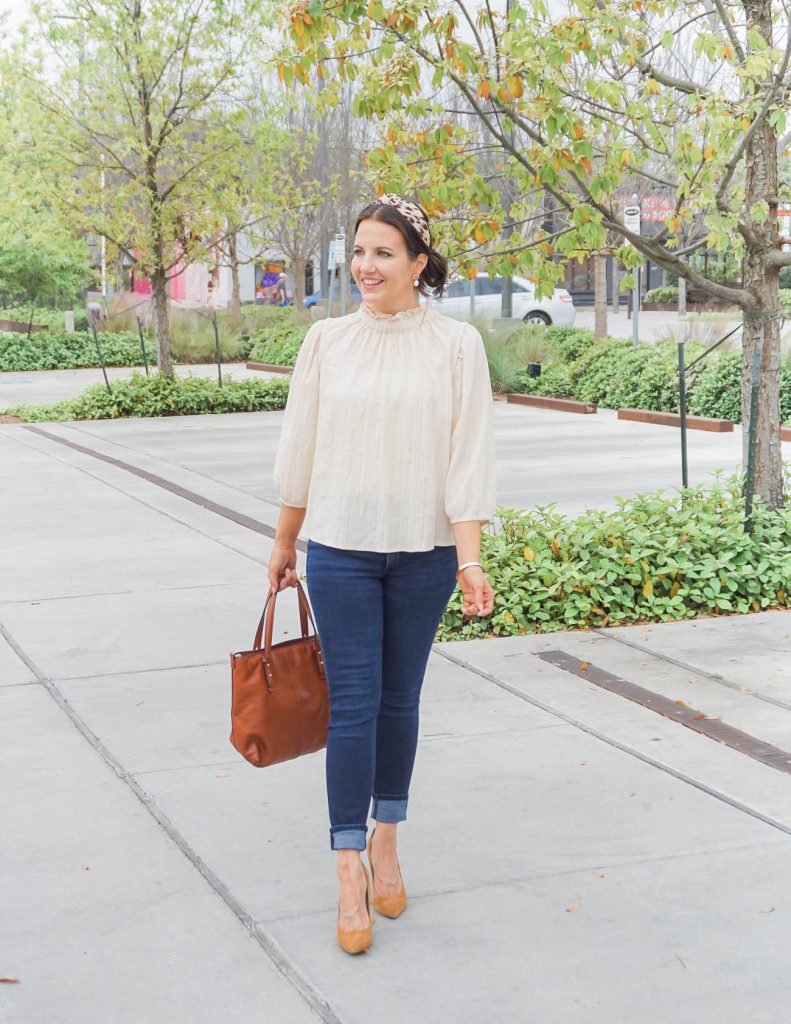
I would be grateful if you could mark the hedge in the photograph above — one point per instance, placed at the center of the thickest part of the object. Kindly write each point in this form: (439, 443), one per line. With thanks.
(59, 350)
(52, 318)
(656, 558)
(615, 375)
(160, 396)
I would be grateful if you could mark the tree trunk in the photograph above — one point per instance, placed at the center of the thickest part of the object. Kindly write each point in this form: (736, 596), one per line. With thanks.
(761, 320)
(299, 264)
(236, 291)
(600, 294)
(159, 289)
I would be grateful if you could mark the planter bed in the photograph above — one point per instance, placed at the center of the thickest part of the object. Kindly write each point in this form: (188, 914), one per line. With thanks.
(673, 419)
(560, 404)
(16, 327)
(692, 307)
(270, 367)
(785, 433)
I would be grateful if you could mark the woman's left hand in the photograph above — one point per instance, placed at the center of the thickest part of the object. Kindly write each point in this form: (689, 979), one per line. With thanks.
(476, 591)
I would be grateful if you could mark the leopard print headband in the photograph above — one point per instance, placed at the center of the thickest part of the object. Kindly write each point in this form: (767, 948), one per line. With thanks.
(411, 212)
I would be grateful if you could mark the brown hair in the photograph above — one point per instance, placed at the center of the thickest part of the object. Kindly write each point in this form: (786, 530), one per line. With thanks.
(434, 275)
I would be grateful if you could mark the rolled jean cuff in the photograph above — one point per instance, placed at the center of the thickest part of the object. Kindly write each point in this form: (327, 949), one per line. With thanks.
(348, 837)
(389, 809)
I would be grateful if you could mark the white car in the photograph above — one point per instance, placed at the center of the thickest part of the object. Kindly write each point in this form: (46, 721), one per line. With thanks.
(559, 309)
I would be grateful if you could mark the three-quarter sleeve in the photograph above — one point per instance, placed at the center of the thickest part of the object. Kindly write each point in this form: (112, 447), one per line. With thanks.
(470, 486)
(297, 446)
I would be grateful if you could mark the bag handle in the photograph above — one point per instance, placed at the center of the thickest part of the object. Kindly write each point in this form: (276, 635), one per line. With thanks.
(268, 619)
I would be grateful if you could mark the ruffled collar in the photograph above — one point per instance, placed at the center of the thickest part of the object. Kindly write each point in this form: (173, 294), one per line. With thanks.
(403, 320)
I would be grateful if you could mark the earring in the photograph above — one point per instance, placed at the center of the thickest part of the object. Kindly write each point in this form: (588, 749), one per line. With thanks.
(415, 282)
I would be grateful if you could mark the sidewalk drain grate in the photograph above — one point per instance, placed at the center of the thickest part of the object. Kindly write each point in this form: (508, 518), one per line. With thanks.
(198, 499)
(693, 719)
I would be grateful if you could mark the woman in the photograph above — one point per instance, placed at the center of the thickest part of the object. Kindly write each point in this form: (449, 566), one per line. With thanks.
(387, 446)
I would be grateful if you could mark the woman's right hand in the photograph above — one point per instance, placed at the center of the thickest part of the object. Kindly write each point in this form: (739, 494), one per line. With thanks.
(282, 567)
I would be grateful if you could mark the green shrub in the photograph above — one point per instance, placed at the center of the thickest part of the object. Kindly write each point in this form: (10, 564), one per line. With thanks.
(38, 316)
(554, 382)
(278, 343)
(654, 559)
(785, 302)
(666, 293)
(161, 396)
(61, 351)
(717, 391)
(569, 343)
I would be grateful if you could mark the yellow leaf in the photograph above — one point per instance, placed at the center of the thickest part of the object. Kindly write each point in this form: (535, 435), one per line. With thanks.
(480, 237)
(579, 131)
(472, 273)
(652, 87)
(746, 123)
(675, 589)
(626, 156)
(299, 27)
(648, 588)
(727, 51)
(484, 90)
(529, 554)
(708, 153)
(515, 86)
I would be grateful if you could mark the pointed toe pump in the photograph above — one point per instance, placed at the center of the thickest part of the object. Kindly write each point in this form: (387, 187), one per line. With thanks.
(388, 906)
(357, 940)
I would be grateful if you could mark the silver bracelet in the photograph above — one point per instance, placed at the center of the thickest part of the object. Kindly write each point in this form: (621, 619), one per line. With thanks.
(468, 564)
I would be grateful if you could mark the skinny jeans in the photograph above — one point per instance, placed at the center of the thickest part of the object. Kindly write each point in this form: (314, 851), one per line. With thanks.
(376, 616)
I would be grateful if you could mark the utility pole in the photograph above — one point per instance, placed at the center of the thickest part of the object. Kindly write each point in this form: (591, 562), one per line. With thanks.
(324, 236)
(507, 308)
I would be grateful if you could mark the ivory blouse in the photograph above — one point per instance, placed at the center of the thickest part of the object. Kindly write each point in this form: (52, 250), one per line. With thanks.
(387, 436)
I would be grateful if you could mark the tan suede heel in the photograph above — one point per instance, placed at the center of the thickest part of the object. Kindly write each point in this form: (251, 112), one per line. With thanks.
(357, 940)
(388, 906)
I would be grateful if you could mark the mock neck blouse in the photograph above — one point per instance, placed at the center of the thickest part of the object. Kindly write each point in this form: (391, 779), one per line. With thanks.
(387, 436)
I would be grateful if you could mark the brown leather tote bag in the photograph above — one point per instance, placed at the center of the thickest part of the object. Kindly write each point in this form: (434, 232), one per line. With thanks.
(279, 702)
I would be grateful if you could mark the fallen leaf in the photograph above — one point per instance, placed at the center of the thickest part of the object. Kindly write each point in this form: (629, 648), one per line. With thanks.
(576, 905)
(628, 796)
(583, 764)
(85, 867)
(583, 665)
(683, 703)
(9, 981)
(767, 910)
(598, 874)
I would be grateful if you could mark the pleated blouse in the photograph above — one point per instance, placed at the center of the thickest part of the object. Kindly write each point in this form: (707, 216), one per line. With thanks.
(387, 436)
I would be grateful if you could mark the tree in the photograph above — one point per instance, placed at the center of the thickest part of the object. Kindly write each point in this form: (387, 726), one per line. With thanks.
(142, 112)
(688, 99)
(35, 271)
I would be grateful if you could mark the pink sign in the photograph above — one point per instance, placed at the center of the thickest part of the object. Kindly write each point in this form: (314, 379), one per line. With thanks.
(656, 208)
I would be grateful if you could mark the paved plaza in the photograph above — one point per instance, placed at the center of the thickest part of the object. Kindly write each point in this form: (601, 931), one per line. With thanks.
(572, 856)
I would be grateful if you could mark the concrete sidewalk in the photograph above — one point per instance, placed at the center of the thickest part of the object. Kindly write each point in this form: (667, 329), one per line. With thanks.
(571, 855)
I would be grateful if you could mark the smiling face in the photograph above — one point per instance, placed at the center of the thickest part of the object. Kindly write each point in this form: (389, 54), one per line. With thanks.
(382, 267)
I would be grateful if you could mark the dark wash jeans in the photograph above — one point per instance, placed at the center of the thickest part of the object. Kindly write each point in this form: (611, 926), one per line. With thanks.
(376, 614)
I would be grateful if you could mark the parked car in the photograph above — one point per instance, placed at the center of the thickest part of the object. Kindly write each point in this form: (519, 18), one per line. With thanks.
(559, 309)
